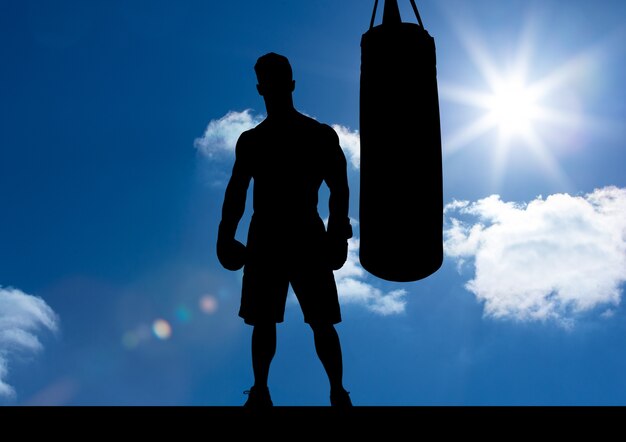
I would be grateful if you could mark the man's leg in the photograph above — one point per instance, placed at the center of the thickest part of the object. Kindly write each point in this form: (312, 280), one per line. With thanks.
(263, 350)
(328, 350)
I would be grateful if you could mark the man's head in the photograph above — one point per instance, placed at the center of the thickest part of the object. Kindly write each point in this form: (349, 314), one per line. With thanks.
(274, 75)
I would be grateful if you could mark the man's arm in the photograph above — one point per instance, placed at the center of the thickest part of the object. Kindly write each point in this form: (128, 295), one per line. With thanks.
(231, 252)
(337, 180)
(339, 228)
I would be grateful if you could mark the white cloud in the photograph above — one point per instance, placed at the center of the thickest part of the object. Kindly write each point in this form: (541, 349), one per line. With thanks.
(353, 289)
(22, 316)
(220, 136)
(350, 142)
(5, 389)
(551, 258)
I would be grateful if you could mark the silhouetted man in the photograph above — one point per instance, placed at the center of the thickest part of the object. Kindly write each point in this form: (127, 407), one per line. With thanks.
(288, 155)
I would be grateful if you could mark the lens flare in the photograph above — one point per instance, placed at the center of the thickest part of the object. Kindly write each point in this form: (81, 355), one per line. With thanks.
(183, 314)
(208, 304)
(130, 340)
(133, 338)
(162, 329)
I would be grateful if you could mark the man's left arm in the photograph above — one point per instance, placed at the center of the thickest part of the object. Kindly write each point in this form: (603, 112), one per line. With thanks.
(339, 228)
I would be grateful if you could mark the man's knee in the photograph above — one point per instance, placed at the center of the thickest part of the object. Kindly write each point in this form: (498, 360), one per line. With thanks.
(264, 327)
(323, 328)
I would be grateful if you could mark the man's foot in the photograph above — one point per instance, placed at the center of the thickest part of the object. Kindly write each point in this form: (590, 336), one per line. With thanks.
(258, 397)
(340, 398)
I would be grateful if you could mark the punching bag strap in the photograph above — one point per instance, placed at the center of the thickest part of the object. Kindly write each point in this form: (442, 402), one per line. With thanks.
(373, 14)
(392, 13)
(417, 14)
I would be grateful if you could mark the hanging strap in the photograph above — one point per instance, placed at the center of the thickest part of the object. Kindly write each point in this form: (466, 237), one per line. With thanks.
(391, 9)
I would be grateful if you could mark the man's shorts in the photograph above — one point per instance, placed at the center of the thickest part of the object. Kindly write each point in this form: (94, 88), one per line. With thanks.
(275, 260)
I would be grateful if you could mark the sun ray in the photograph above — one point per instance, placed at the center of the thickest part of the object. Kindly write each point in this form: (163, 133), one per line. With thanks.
(578, 66)
(500, 157)
(476, 49)
(547, 160)
(563, 118)
(468, 133)
(463, 95)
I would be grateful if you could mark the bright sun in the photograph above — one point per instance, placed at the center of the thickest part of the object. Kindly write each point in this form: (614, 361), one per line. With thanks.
(521, 113)
(512, 107)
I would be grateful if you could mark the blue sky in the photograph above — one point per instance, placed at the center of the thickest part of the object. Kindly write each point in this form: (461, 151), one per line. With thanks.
(116, 129)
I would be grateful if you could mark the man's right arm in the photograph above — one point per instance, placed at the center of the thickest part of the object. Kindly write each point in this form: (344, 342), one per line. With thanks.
(228, 247)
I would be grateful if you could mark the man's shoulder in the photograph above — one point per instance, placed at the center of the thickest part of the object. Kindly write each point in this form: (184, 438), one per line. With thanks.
(322, 129)
(309, 127)
(248, 135)
(245, 142)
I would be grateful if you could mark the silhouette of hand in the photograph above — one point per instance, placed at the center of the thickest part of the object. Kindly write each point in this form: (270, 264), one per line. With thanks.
(231, 253)
(337, 251)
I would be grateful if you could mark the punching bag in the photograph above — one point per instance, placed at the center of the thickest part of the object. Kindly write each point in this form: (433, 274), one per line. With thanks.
(401, 195)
